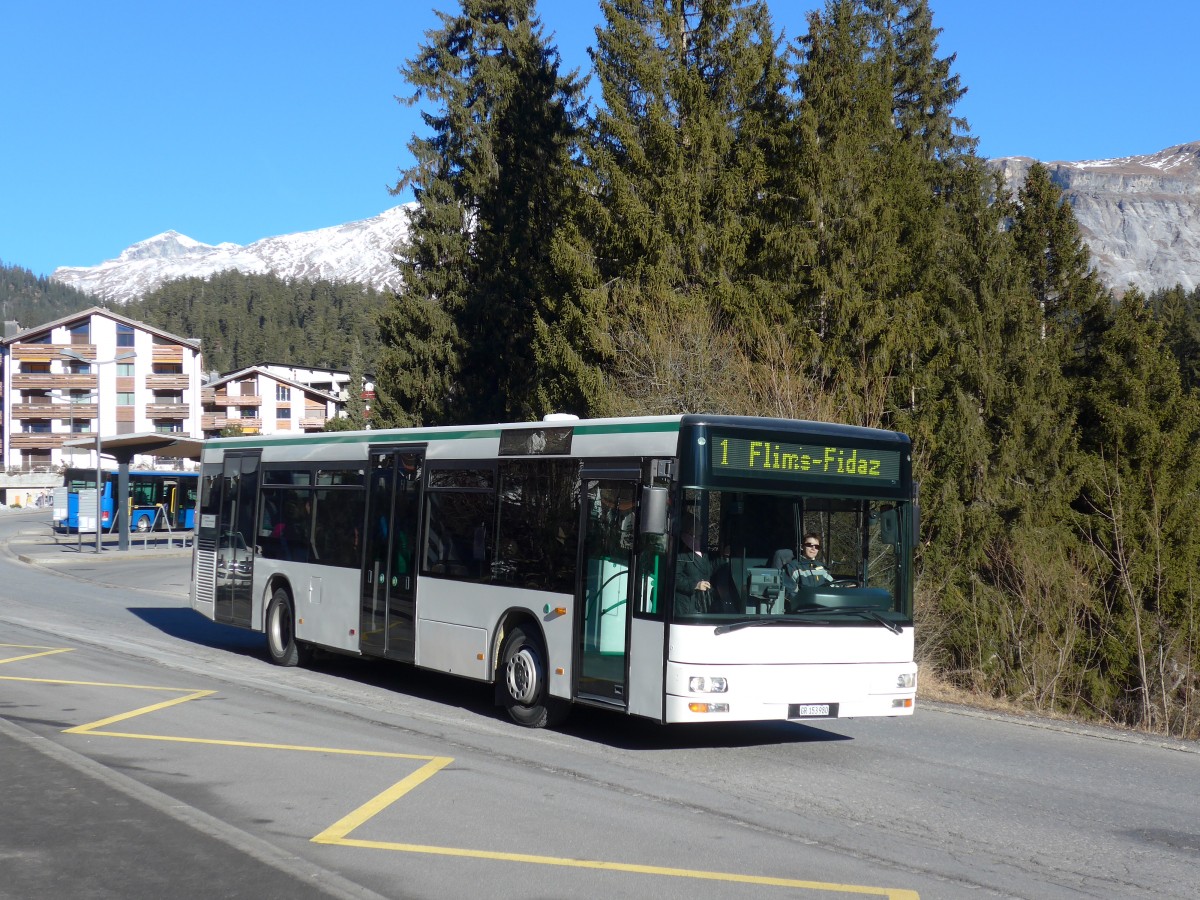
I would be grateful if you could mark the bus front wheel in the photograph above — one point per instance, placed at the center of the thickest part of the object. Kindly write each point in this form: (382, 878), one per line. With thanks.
(525, 685)
(285, 650)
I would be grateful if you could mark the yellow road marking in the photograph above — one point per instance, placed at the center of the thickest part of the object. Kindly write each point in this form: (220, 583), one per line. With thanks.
(338, 833)
(46, 651)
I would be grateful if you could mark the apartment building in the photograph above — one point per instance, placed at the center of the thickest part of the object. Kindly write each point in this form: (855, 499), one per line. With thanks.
(263, 400)
(94, 370)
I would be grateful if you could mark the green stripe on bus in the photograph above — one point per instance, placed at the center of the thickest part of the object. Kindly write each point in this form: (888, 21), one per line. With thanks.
(389, 437)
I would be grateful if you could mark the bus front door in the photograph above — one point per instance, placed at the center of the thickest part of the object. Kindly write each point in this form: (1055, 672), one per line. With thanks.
(606, 583)
(387, 624)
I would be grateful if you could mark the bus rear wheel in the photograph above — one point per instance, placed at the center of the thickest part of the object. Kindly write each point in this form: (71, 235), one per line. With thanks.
(143, 524)
(524, 683)
(285, 650)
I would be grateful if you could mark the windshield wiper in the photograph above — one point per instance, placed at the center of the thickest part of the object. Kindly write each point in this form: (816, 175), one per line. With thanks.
(868, 611)
(759, 620)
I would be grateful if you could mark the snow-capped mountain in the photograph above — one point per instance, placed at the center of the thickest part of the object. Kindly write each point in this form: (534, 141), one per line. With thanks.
(357, 252)
(1139, 215)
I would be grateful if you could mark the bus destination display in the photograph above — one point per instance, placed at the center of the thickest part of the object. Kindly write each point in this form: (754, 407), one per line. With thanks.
(775, 459)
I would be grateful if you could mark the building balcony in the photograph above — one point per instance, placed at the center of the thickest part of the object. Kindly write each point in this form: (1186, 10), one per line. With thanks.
(50, 352)
(247, 426)
(168, 382)
(48, 381)
(54, 410)
(167, 353)
(214, 399)
(315, 423)
(213, 421)
(43, 440)
(168, 410)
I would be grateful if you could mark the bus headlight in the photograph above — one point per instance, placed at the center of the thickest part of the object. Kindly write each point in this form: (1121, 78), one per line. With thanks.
(703, 684)
(907, 680)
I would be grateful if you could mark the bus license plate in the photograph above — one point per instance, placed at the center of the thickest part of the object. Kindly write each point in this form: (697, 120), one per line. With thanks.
(809, 711)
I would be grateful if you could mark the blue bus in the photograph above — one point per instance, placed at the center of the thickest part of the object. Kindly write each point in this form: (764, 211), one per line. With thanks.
(157, 500)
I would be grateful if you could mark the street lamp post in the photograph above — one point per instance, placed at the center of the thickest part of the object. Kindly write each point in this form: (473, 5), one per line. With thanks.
(120, 357)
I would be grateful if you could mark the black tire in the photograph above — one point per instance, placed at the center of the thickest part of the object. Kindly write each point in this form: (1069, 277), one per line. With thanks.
(524, 683)
(285, 650)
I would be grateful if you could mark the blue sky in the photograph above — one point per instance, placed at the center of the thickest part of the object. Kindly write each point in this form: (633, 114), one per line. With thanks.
(234, 121)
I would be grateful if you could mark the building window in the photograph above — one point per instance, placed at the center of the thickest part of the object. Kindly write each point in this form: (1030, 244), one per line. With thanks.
(124, 335)
(283, 413)
(125, 398)
(125, 369)
(167, 426)
(283, 393)
(248, 412)
(81, 333)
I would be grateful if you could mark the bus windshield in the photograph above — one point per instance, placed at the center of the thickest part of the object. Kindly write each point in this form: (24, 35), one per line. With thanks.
(790, 557)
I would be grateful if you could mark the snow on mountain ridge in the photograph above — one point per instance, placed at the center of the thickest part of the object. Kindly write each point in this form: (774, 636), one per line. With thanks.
(1140, 216)
(355, 252)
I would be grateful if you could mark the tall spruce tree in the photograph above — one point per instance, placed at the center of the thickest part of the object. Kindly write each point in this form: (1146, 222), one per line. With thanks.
(877, 150)
(494, 185)
(680, 154)
(1179, 312)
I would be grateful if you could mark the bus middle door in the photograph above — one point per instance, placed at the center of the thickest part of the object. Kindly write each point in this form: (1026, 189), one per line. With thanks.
(387, 625)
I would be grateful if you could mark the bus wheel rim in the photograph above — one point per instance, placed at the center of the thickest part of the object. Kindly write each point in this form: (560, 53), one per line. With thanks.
(522, 676)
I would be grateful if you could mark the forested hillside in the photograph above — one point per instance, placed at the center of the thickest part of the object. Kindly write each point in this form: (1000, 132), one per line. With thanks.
(804, 230)
(243, 320)
(33, 300)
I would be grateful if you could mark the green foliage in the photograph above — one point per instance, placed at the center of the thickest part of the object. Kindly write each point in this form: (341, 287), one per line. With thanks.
(33, 300)
(490, 325)
(244, 320)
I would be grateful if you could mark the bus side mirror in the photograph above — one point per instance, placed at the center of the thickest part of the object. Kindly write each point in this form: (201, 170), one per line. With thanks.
(654, 510)
(889, 526)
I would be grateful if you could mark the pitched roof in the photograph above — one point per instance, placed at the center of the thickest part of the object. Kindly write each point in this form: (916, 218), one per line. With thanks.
(258, 370)
(194, 343)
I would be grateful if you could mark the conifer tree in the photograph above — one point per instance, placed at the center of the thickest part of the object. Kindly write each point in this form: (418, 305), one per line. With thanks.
(1139, 497)
(680, 155)
(1179, 312)
(493, 185)
(877, 148)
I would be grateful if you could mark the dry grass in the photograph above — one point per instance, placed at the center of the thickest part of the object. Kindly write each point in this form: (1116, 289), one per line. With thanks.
(933, 689)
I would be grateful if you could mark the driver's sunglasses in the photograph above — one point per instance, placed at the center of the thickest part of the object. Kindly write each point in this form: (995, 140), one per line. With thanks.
(812, 546)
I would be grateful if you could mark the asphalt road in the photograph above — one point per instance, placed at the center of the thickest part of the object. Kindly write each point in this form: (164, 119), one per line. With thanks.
(146, 750)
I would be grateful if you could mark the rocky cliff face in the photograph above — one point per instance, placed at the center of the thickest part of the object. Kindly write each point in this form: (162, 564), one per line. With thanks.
(1139, 215)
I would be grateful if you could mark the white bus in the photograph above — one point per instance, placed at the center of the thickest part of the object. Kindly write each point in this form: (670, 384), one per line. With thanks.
(549, 558)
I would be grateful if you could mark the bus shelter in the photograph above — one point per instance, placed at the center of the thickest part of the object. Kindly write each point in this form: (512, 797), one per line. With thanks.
(123, 448)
